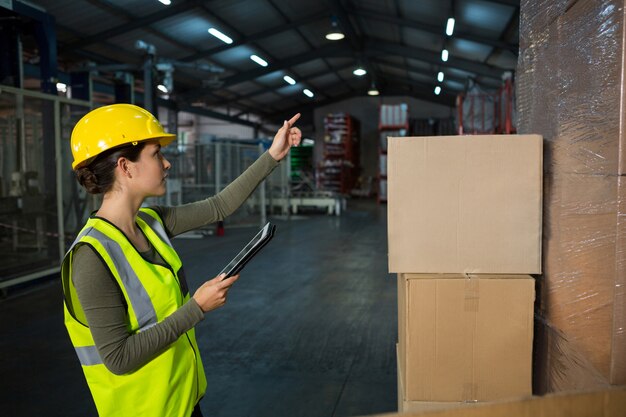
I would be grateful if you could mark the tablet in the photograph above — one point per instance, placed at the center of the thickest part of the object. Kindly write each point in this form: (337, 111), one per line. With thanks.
(252, 248)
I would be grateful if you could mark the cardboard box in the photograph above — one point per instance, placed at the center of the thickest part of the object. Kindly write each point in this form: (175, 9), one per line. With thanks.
(571, 87)
(405, 406)
(607, 403)
(465, 339)
(465, 204)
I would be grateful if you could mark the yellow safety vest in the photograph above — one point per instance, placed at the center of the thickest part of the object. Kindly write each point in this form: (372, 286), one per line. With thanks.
(173, 382)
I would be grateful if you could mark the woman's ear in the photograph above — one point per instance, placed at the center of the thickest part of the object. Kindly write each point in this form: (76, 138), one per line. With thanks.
(124, 166)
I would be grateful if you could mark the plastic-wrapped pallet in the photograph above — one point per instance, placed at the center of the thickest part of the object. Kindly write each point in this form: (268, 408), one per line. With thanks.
(571, 90)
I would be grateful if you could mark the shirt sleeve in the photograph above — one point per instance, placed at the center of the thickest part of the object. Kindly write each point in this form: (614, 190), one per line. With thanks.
(190, 216)
(105, 310)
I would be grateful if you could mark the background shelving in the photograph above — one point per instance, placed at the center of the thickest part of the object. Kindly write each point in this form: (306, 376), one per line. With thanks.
(340, 165)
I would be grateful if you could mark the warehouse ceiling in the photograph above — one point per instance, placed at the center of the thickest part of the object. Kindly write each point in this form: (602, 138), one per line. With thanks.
(398, 42)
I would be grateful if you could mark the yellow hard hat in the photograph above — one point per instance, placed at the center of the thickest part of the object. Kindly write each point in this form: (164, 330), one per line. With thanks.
(111, 126)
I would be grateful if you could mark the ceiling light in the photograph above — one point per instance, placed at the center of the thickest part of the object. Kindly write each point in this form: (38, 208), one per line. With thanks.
(437, 90)
(334, 34)
(166, 2)
(440, 76)
(308, 92)
(62, 87)
(373, 91)
(444, 55)
(259, 60)
(162, 88)
(219, 35)
(289, 80)
(359, 72)
(450, 26)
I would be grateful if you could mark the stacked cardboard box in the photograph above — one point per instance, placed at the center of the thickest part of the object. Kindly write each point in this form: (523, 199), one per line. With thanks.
(464, 224)
(606, 403)
(571, 89)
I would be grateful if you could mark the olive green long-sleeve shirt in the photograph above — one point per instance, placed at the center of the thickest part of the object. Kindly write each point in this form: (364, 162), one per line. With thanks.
(102, 299)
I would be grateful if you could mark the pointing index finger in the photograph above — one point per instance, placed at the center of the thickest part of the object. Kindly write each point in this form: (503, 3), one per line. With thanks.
(293, 119)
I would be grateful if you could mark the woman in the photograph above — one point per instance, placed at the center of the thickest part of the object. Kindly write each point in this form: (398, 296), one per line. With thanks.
(127, 307)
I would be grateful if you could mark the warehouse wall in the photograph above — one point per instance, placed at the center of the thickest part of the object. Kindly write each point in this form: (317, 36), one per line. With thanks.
(365, 109)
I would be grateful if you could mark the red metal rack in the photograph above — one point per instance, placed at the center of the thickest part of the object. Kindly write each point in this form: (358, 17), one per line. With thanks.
(340, 167)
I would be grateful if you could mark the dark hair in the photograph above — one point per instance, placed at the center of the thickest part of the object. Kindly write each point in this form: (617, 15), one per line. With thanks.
(99, 175)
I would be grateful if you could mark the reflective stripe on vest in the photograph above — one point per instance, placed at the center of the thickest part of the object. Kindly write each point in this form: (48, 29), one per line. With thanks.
(156, 226)
(88, 355)
(139, 298)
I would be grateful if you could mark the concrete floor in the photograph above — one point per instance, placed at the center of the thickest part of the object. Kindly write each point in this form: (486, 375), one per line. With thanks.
(309, 329)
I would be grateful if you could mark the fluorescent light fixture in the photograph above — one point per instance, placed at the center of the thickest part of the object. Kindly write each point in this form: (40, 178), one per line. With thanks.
(440, 76)
(444, 55)
(437, 90)
(219, 35)
(450, 26)
(259, 60)
(289, 80)
(162, 88)
(62, 87)
(373, 91)
(359, 72)
(308, 92)
(166, 2)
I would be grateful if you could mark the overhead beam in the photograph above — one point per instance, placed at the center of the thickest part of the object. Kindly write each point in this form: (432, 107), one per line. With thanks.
(304, 109)
(287, 20)
(425, 88)
(231, 29)
(394, 89)
(436, 29)
(217, 115)
(119, 11)
(420, 71)
(206, 112)
(390, 88)
(134, 24)
(489, 82)
(328, 50)
(377, 47)
(256, 37)
(299, 81)
(335, 49)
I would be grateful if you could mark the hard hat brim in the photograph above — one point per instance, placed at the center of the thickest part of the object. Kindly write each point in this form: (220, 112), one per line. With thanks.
(163, 139)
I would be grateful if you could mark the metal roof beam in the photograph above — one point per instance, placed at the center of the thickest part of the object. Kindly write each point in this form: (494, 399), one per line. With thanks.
(376, 48)
(420, 71)
(256, 36)
(217, 115)
(396, 89)
(445, 100)
(273, 88)
(236, 32)
(437, 30)
(422, 87)
(134, 24)
(336, 49)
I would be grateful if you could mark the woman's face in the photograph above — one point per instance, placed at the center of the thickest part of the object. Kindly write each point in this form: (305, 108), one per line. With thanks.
(151, 170)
